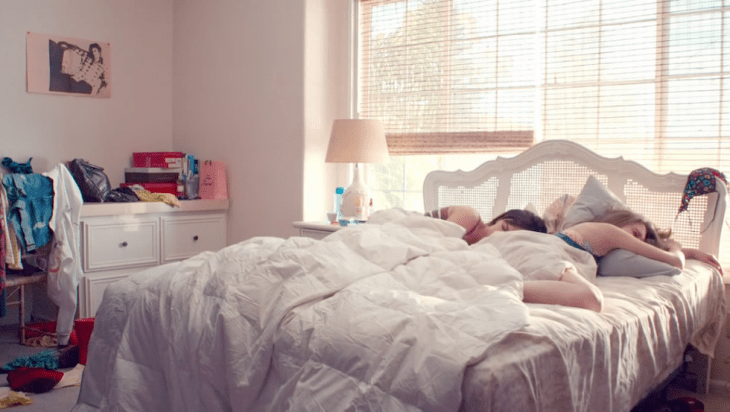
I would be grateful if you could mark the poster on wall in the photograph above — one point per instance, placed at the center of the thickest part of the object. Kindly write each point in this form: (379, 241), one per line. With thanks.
(64, 65)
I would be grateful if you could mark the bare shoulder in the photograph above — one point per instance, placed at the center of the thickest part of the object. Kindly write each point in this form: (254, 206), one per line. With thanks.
(593, 227)
(603, 237)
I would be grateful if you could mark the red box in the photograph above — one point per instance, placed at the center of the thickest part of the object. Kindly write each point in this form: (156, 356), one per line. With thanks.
(157, 159)
(170, 188)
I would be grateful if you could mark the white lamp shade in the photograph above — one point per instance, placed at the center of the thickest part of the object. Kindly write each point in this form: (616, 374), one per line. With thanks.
(357, 141)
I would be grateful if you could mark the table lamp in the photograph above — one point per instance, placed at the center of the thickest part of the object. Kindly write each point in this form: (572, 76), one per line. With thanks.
(357, 141)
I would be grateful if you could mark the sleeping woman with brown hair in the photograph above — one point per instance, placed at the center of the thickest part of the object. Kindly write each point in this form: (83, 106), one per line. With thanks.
(469, 218)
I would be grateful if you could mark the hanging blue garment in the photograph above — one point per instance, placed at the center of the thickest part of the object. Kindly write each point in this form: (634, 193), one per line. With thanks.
(16, 167)
(30, 199)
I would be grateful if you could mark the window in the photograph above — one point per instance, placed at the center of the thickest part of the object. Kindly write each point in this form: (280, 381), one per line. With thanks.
(445, 78)
(642, 79)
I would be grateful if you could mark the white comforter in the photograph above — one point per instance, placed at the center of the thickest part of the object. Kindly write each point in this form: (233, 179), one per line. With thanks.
(384, 316)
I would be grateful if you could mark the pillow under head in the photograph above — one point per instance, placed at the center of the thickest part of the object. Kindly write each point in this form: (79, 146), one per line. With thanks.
(621, 262)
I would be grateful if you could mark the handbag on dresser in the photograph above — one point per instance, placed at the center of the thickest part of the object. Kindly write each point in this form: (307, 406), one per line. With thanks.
(91, 179)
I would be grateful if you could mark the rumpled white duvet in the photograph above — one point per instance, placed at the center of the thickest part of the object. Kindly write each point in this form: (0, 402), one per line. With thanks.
(395, 315)
(385, 316)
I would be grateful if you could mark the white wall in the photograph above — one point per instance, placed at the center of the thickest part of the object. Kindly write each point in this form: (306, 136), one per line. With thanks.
(257, 84)
(56, 128)
(327, 97)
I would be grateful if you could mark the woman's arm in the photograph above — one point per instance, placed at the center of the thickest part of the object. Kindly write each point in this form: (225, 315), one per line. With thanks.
(703, 257)
(571, 290)
(605, 237)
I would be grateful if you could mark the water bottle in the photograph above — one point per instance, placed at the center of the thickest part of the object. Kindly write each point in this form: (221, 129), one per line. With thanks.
(338, 201)
(191, 186)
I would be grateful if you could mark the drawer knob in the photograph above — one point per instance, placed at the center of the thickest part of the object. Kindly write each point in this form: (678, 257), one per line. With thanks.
(195, 238)
(124, 244)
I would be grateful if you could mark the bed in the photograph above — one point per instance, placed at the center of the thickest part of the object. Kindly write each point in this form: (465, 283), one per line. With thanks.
(399, 314)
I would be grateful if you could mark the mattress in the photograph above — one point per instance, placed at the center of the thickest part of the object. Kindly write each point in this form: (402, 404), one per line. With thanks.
(567, 359)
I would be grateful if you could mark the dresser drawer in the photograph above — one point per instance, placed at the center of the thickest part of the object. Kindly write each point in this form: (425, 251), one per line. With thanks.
(314, 234)
(120, 243)
(92, 287)
(183, 237)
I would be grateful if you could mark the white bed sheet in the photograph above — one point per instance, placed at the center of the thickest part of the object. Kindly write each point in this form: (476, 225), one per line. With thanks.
(571, 360)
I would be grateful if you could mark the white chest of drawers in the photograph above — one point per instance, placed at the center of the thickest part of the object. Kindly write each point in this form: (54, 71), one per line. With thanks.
(120, 239)
(315, 230)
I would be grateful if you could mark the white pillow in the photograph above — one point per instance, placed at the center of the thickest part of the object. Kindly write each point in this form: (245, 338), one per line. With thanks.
(595, 200)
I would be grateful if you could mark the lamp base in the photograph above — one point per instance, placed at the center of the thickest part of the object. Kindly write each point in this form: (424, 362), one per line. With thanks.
(355, 204)
(356, 199)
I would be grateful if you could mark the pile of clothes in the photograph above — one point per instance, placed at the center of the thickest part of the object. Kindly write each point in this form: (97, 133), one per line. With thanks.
(49, 369)
(39, 232)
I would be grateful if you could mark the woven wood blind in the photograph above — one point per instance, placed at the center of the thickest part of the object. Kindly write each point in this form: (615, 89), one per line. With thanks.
(643, 79)
(456, 142)
(428, 71)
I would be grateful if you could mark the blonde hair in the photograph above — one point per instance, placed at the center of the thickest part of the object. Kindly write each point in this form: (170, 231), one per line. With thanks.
(623, 217)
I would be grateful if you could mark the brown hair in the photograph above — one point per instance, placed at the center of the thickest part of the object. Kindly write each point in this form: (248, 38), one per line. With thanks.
(523, 219)
(623, 217)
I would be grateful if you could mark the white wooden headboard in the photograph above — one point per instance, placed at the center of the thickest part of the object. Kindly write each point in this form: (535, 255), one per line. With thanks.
(550, 169)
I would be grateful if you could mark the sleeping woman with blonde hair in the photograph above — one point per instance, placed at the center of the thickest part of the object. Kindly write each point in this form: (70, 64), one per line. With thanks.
(625, 229)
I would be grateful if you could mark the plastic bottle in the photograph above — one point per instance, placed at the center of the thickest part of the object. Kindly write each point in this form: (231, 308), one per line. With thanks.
(338, 201)
(191, 186)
